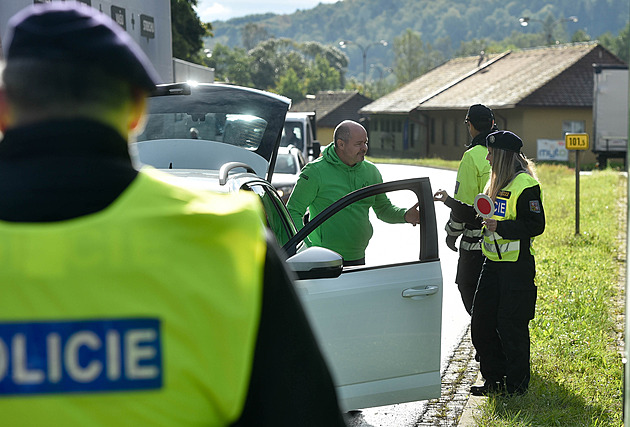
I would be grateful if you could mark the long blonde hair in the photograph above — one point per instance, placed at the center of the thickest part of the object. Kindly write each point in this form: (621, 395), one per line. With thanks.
(505, 166)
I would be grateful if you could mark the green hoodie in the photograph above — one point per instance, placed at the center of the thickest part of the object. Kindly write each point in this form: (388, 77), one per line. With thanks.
(326, 180)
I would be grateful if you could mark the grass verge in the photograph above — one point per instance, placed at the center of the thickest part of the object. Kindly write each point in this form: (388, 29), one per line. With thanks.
(577, 373)
(577, 334)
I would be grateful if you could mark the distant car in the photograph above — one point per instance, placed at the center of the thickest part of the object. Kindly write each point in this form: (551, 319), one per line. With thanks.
(289, 163)
(379, 326)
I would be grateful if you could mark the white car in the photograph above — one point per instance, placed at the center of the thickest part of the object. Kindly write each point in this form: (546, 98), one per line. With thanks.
(289, 163)
(379, 326)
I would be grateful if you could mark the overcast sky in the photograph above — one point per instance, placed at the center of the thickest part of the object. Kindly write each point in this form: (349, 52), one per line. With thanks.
(222, 10)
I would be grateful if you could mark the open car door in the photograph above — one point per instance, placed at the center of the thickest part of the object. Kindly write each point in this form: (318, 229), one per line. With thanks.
(379, 326)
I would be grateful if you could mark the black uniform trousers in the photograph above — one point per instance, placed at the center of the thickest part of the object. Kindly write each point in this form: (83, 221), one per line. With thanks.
(468, 272)
(504, 304)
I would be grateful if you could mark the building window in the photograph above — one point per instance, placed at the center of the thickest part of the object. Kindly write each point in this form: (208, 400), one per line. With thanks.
(375, 124)
(573, 126)
(432, 131)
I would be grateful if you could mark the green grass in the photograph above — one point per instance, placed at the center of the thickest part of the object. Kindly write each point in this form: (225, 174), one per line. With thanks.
(577, 371)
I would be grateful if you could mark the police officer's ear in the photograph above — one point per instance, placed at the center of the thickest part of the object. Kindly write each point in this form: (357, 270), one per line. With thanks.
(138, 110)
(5, 111)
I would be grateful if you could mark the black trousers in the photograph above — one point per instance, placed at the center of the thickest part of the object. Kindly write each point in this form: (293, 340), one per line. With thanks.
(468, 272)
(504, 304)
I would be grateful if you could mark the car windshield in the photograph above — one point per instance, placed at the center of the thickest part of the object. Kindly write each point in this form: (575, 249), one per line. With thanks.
(292, 135)
(285, 163)
(204, 126)
(241, 130)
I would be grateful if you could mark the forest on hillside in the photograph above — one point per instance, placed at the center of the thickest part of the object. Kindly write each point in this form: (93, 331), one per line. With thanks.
(442, 24)
(326, 48)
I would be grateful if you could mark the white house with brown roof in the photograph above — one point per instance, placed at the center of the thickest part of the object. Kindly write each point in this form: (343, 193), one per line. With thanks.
(539, 94)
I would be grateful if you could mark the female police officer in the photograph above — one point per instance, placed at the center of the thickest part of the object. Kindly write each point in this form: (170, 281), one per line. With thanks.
(505, 299)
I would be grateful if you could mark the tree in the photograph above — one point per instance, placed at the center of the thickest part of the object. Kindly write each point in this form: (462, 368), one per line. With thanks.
(230, 65)
(188, 31)
(269, 62)
(322, 76)
(619, 45)
(290, 85)
(580, 36)
(252, 34)
(412, 58)
(408, 53)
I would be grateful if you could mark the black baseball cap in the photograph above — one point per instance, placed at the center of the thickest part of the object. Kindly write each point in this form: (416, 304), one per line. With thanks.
(478, 113)
(75, 32)
(504, 140)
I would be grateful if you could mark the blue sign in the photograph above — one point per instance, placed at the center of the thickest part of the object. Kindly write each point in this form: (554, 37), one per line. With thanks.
(80, 356)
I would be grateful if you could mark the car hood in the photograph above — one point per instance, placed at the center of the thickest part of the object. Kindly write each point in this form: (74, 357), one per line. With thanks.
(204, 126)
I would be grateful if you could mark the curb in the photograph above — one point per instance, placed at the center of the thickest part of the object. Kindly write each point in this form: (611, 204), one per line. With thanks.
(472, 411)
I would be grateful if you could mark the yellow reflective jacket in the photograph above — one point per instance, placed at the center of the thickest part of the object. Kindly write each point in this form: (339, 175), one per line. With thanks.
(145, 313)
(505, 209)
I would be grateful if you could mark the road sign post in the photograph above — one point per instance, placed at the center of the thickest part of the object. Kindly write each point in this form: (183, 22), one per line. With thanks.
(576, 142)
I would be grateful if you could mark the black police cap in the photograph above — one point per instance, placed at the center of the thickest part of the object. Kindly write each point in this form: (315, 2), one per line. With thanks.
(504, 140)
(72, 31)
(478, 112)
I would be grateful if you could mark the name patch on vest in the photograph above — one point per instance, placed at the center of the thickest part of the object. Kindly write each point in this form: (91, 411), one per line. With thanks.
(504, 194)
(500, 207)
(80, 356)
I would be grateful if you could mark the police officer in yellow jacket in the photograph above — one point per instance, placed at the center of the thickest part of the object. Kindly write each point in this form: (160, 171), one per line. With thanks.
(128, 301)
(505, 299)
(472, 176)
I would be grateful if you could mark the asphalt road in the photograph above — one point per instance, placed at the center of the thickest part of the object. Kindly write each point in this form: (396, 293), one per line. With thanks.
(454, 318)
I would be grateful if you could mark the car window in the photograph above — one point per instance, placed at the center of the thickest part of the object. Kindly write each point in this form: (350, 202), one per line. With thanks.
(241, 130)
(278, 219)
(292, 135)
(390, 243)
(285, 163)
(393, 243)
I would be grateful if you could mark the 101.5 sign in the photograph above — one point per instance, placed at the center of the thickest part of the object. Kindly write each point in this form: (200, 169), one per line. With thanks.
(576, 141)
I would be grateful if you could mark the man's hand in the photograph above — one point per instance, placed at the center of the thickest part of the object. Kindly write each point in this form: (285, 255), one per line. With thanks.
(412, 215)
(450, 242)
(440, 196)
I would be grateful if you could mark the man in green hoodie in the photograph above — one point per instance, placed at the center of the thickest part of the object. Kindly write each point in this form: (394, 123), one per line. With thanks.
(341, 169)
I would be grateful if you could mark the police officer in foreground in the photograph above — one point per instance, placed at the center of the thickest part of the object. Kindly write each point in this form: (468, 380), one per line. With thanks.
(472, 176)
(128, 301)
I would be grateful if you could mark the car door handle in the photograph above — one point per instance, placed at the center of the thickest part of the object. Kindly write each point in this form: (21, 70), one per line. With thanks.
(419, 293)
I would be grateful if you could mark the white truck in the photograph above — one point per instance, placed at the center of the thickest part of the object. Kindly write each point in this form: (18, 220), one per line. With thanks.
(300, 131)
(610, 112)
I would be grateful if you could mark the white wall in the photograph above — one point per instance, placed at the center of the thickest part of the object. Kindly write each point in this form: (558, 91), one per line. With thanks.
(155, 14)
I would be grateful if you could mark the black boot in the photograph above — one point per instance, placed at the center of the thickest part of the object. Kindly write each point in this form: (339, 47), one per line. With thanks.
(489, 387)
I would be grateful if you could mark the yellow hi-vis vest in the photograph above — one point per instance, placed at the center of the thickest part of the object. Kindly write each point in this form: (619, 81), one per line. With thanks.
(143, 314)
(505, 209)
(472, 176)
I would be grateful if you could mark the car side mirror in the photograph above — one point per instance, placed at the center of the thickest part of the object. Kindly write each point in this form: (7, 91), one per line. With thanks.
(316, 263)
